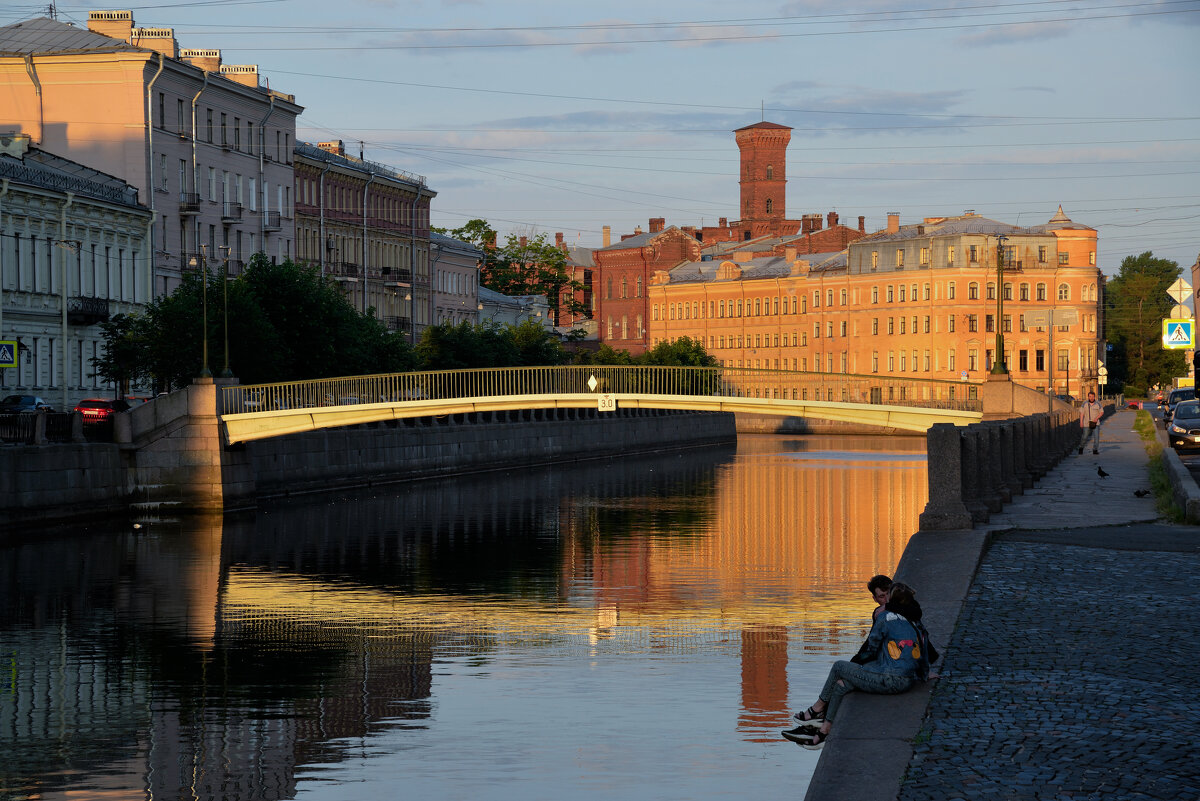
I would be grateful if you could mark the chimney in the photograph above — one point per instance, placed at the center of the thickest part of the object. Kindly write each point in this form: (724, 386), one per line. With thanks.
(893, 222)
(246, 75)
(207, 60)
(862, 224)
(789, 253)
(637, 231)
(116, 24)
(722, 222)
(607, 240)
(336, 147)
(558, 241)
(160, 40)
(832, 217)
(657, 224)
(491, 240)
(524, 241)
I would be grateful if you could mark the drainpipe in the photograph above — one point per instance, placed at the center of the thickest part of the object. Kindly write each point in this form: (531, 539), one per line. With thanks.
(262, 187)
(366, 244)
(37, 88)
(3, 193)
(321, 244)
(62, 266)
(195, 165)
(150, 171)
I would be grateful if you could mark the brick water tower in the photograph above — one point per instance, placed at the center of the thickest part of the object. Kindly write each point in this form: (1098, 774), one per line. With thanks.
(763, 177)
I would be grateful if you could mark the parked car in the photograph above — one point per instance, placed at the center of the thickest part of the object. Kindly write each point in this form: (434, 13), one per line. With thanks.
(24, 404)
(1175, 398)
(1184, 429)
(100, 410)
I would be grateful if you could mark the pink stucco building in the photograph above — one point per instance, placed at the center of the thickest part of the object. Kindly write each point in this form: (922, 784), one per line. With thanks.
(208, 148)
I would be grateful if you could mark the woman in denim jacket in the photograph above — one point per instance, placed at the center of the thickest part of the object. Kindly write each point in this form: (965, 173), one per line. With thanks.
(895, 655)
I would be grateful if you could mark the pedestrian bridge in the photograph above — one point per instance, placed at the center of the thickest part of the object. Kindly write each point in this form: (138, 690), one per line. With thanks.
(261, 411)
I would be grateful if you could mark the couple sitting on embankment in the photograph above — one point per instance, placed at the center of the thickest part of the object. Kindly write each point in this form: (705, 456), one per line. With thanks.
(895, 655)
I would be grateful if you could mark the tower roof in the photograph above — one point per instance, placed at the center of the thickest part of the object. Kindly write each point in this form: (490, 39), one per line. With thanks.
(767, 125)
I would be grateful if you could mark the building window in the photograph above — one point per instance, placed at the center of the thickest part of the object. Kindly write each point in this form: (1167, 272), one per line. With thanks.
(972, 291)
(875, 326)
(843, 297)
(1064, 360)
(891, 325)
(950, 291)
(638, 287)
(989, 324)
(1021, 323)
(224, 130)
(1040, 361)
(902, 293)
(950, 255)
(973, 359)
(974, 253)
(927, 324)
(925, 257)
(1064, 292)
(991, 291)
(1007, 323)
(1062, 258)
(874, 294)
(770, 205)
(770, 174)
(608, 293)
(1024, 292)
(624, 287)
(829, 297)
(972, 322)
(1042, 254)
(891, 294)
(926, 291)
(899, 257)
(1008, 291)
(1023, 361)
(237, 133)
(874, 259)
(1092, 258)
(875, 362)
(901, 325)
(843, 328)
(1041, 291)
(179, 117)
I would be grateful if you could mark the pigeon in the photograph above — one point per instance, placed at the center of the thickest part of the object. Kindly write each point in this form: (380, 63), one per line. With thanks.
(1100, 472)
(1141, 493)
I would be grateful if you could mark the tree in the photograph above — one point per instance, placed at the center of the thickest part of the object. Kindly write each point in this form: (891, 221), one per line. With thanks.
(285, 323)
(683, 352)
(1136, 303)
(524, 266)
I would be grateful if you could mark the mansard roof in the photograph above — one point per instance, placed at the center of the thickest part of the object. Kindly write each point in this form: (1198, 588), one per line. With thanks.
(764, 124)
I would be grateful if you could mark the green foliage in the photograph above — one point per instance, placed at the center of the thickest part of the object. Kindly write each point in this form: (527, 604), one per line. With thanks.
(683, 352)
(605, 355)
(285, 323)
(462, 346)
(1136, 302)
(532, 267)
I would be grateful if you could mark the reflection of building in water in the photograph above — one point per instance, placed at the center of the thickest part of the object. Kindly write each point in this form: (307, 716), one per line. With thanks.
(764, 677)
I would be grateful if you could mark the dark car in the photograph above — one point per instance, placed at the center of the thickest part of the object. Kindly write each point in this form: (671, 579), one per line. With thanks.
(1175, 398)
(100, 410)
(24, 404)
(1184, 429)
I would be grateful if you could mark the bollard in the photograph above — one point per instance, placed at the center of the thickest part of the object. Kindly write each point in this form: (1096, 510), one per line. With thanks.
(1009, 480)
(990, 480)
(972, 490)
(945, 509)
(1020, 433)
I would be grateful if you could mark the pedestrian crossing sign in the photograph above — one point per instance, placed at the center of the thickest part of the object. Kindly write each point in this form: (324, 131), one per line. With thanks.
(8, 353)
(1179, 334)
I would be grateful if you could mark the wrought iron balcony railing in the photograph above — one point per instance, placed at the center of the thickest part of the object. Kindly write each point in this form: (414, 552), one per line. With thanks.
(189, 203)
(86, 311)
(231, 212)
(270, 221)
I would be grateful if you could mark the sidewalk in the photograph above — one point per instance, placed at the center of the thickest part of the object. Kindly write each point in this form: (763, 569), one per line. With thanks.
(1069, 606)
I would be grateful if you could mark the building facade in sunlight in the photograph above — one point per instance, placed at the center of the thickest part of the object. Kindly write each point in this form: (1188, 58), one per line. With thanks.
(921, 300)
(367, 226)
(207, 145)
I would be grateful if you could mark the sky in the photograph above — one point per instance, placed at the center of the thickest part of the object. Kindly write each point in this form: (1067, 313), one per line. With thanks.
(563, 116)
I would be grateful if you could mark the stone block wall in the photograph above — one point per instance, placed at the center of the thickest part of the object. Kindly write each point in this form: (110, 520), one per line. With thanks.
(72, 481)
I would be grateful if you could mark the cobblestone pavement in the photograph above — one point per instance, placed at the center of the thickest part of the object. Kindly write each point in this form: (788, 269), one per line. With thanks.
(1071, 674)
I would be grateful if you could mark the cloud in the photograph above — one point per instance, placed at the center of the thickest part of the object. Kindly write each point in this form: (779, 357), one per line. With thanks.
(818, 108)
(1017, 34)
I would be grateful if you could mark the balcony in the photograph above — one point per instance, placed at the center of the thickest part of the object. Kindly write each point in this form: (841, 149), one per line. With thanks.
(400, 325)
(346, 269)
(396, 276)
(234, 267)
(189, 203)
(190, 262)
(86, 311)
(270, 221)
(231, 212)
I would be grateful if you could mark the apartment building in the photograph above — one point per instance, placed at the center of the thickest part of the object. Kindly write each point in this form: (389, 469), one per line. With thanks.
(206, 144)
(923, 300)
(74, 251)
(366, 225)
(455, 267)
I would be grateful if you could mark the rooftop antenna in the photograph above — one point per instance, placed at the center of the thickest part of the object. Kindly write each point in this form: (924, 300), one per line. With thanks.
(763, 109)
(51, 11)
(360, 150)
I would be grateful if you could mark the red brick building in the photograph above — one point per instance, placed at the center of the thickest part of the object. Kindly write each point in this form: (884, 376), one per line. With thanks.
(624, 270)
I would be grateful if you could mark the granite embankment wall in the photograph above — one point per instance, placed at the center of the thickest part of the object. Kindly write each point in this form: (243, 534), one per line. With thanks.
(168, 455)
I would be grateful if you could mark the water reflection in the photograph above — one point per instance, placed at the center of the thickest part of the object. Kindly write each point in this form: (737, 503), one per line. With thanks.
(568, 624)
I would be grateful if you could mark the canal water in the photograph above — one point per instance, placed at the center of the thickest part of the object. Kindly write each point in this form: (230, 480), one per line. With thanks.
(636, 628)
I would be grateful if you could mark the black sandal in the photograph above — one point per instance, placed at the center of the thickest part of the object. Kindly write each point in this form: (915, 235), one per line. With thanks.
(812, 740)
(809, 715)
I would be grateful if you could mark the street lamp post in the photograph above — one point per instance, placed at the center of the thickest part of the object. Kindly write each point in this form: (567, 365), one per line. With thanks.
(202, 265)
(998, 365)
(226, 373)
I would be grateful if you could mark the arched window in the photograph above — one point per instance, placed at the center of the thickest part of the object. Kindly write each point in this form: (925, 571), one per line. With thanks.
(1064, 292)
(608, 295)
(1041, 291)
(991, 291)
(770, 174)
(770, 205)
(973, 291)
(639, 287)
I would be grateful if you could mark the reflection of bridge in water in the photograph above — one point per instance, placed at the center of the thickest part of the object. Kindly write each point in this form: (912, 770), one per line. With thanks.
(262, 411)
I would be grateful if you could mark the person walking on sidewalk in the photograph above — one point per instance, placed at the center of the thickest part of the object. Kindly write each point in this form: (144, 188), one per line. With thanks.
(1089, 423)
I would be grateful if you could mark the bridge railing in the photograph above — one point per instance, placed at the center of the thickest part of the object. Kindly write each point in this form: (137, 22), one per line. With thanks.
(727, 382)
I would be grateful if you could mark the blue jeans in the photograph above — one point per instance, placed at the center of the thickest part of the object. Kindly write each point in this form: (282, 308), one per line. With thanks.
(845, 676)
